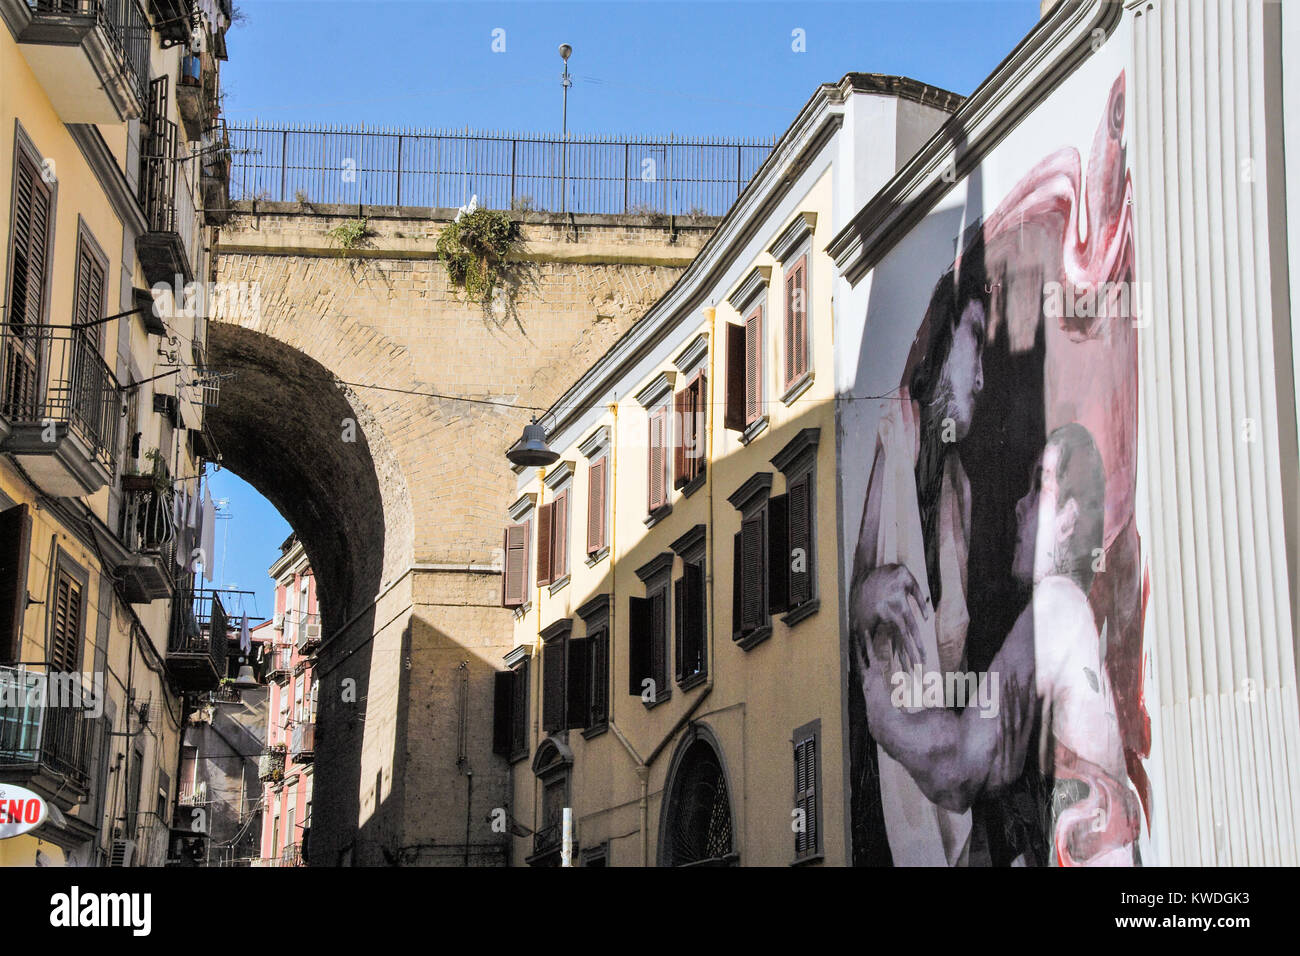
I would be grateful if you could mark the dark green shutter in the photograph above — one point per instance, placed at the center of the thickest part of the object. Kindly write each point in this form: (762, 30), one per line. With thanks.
(639, 625)
(778, 554)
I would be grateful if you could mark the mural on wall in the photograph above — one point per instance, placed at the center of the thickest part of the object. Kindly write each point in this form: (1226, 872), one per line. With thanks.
(995, 593)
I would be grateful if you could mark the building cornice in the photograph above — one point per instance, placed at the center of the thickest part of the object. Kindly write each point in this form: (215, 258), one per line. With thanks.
(793, 236)
(522, 506)
(691, 356)
(595, 443)
(758, 485)
(660, 387)
(796, 449)
(751, 287)
(659, 564)
(1052, 50)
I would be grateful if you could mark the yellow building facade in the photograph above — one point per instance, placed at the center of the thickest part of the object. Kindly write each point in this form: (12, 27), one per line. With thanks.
(110, 144)
(674, 576)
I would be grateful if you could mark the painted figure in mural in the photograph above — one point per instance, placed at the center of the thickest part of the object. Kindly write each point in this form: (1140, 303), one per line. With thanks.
(912, 547)
(934, 577)
(1049, 667)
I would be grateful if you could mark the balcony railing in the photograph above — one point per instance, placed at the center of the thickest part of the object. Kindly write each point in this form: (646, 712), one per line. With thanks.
(147, 525)
(270, 765)
(44, 742)
(197, 644)
(55, 375)
(302, 747)
(547, 839)
(307, 628)
(279, 663)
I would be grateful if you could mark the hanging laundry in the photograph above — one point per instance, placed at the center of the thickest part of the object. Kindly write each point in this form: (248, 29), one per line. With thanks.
(208, 538)
(245, 636)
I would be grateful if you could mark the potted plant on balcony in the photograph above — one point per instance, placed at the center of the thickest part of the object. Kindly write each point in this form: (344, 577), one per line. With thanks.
(157, 478)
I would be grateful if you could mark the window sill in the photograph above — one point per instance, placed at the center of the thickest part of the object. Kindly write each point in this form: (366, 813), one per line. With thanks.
(658, 515)
(695, 680)
(817, 857)
(595, 557)
(661, 698)
(751, 639)
(804, 611)
(797, 387)
(558, 585)
(596, 731)
(753, 430)
(692, 486)
(522, 609)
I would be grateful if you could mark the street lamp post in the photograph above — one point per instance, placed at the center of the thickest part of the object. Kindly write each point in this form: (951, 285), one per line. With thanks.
(565, 83)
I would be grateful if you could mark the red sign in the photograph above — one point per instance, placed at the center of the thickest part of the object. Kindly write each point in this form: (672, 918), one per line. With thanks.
(20, 811)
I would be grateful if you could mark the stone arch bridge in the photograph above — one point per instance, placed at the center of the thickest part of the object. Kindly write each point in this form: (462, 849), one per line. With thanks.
(403, 524)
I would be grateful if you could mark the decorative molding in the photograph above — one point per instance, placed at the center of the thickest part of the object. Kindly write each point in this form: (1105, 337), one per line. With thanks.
(693, 355)
(661, 563)
(559, 473)
(556, 586)
(660, 387)
(659, 514)
(690, 540)
(595, 443)
(517, 656)
(796, 449)
(793, 236)
(801, 612)
(797, 388)
(526, 503)
(560, 628)
(595, 608)
(751, 287)
(753, 430)
(758, 485)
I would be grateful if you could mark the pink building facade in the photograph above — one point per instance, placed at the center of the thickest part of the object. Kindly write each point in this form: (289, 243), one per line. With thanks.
(287, 656)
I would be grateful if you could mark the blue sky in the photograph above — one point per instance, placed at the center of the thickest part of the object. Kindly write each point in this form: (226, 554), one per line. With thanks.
(695, 69)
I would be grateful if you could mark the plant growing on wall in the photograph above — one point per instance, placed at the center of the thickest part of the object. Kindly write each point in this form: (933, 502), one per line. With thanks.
(474, 249)
(349, 234)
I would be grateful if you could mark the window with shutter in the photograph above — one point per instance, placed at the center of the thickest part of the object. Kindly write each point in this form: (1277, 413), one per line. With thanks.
(689, 641)
(807, 779)
(598, 671)
(734, 417)
(659, 642)
(514, 582)
(800, 557)
(578, 684)
(30, 244)
(65, 625)
(754, 366)
(753, 611)
(689, 451)
(596, 506)
(658, 459)
(638, 644)
(545, 520)
(15, 551)
(553, 680)
(681, 437)
(560, 536)
(519, 712)
(502, 700)
(796, 320)
(778, 558)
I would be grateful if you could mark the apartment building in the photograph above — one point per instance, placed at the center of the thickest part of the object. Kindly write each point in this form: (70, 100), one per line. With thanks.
(673, 575)
(287, 659)
(945, 511)
(114, 173)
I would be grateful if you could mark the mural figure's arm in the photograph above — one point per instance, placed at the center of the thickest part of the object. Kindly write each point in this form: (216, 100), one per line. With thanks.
(955, 757)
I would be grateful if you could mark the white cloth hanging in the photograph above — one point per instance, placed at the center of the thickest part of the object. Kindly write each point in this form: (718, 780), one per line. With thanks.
(245, 637)
(209, 535)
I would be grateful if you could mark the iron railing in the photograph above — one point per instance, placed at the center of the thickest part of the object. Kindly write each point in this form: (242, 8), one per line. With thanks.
(37, 732)
(302, 747)
(444, 169)
(124, 23)
(307, 627)
(199, 626)
(147, 523)
(55, 374)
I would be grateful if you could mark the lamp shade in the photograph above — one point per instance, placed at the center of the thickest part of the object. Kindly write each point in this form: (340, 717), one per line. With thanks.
(531, 449)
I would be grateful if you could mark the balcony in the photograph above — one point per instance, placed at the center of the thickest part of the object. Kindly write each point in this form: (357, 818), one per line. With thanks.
(166, 248)
(214, 179)
(45, 743)
(302, 748)
(147, 530)
(307, 632)
(60, 401)
(279, 663)
(172, 20)
(90, 56)
(197, 643)
(196, 94)
(270, 765)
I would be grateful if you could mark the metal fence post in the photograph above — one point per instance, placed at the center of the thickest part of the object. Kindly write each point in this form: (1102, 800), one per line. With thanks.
(284, 158)
(399, 169)
(514, 146)
(627, 183)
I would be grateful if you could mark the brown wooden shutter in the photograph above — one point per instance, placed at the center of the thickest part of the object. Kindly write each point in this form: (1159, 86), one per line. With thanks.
(790, 326)
(805, 783)
(737, 586)
(734, 415)
(800, 526)
(65, 639)
(700, 424)
(596, 507)
(801, 317)
(519, 711)
(752, 571)
(514, 582)
(15, 552)
(778, 555)
(598, 665)
(754, 366)
(657, 459)
(682, 436)
(690, 622)
(545, 520)
(553, 702)
(502, 701)
(89, 305)
(640, 623)
(679, 628)
(560, 536)
(659, 641)
(578, 684)
(31, 222)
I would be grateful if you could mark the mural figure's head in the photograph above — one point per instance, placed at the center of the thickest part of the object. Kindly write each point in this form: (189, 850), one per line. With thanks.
(1059, 521)
(951, 375)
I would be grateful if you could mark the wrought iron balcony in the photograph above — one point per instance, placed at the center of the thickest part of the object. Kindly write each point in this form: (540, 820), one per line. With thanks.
(198, 644)
(547, 840)
(302, 748)
(149, 534)
(172, 19)
(45, 739)
(166, 249)
(60, 401)
(270, 765)
(279, 663)
(91, 57)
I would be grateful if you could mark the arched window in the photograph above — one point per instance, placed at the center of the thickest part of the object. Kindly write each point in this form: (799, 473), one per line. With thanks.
(695, 828)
